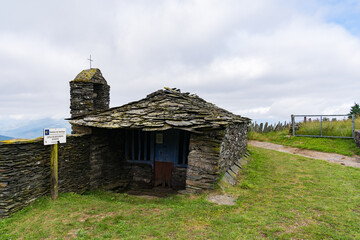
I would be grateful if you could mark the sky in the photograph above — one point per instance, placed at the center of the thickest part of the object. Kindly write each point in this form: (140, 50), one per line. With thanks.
(262, 59)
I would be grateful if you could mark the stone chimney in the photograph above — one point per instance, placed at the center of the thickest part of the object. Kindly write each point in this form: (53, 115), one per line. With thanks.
(89, 92)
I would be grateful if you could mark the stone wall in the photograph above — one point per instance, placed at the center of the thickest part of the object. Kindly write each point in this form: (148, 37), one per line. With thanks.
(84, 99)
(85, 162)
(89, 91)
(74, 165)
(216, 153)
(233, 145)
(98, 161)
(233, 154)
(178, 179)
(357, 138)
(140, 175)
(99, 151)
(25, 171)
(203, 160)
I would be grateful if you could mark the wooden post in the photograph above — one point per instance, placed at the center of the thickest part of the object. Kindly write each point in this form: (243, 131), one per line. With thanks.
(54, 171)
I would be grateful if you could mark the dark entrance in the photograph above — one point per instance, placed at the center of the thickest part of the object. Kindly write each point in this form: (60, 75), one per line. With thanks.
(166, 151)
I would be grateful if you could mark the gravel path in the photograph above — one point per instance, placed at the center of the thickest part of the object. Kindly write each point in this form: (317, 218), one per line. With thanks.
(330, 157)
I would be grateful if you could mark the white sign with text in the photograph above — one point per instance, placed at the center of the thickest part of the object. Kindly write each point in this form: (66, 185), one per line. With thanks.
(54, 136)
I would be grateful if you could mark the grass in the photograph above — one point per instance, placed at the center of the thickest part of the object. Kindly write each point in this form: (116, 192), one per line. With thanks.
(333, 145)
(280, 196)
(329, 128)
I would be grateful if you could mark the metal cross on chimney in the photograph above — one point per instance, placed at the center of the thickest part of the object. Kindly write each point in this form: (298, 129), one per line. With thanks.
(90, 60)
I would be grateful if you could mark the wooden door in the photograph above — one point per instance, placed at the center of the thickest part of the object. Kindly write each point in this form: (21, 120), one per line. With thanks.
(166, 154)
(163, 173)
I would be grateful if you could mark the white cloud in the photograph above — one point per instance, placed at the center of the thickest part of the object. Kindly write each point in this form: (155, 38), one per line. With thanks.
(17, 117)
(239, 68)
(34, 51)
(259, 110)
(262, 59)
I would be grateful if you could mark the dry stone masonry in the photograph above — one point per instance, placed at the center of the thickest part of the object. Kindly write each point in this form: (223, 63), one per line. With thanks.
(217, 141)
(89, 92)
(357, 138)
(196, 143)
(163, 110)
(25, 171)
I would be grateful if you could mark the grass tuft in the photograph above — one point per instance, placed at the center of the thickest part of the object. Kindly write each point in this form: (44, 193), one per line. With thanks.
(329, 128)
(279, 196)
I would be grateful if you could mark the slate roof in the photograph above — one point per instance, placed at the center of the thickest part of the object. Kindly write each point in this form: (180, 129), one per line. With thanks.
(162, 110)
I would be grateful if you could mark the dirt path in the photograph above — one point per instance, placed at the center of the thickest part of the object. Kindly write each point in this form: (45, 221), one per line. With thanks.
(330, 157)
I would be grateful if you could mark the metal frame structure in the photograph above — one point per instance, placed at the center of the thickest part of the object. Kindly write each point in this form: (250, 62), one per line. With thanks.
(321, 120)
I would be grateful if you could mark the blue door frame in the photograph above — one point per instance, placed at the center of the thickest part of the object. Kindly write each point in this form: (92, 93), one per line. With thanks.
(164, 146)
(167, 146)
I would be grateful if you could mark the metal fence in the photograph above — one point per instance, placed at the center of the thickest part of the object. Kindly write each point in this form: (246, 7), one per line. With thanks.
(322, 118)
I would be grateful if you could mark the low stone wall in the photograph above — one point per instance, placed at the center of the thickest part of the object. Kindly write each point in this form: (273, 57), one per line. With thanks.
(357, 138)
(25, 170)
(178, 179)
(140, 176)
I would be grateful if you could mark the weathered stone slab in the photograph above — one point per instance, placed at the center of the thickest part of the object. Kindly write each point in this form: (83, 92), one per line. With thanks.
(167, 106)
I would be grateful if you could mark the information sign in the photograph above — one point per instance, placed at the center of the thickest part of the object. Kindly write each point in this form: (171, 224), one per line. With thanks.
(54, 136)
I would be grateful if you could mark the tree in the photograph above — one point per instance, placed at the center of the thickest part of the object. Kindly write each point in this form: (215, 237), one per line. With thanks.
(355, 110)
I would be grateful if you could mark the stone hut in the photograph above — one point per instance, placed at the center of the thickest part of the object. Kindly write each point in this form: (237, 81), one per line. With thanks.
(169, 138)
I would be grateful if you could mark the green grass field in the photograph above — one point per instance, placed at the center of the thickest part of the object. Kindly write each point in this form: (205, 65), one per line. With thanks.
(280, 196)
(336, 145)
(329, 128)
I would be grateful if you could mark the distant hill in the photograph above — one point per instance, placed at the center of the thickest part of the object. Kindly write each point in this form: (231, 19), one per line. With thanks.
(28, 129)
(2, 138)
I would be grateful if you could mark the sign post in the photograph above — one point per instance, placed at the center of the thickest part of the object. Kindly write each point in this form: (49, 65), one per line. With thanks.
(51, 137)
(54, 171)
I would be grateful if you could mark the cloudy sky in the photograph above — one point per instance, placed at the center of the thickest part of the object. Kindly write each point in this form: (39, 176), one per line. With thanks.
(264, 59)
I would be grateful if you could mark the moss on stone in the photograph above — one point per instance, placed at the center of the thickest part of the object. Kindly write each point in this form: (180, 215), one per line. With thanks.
(92, 75)
(86, 75)
(18, 141)
(217, 149)
(88, 103)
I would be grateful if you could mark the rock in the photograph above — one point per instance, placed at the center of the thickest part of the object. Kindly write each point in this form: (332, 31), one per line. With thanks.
(222, 199)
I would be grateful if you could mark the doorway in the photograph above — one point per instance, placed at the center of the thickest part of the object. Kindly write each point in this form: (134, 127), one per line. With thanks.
(166, 151)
